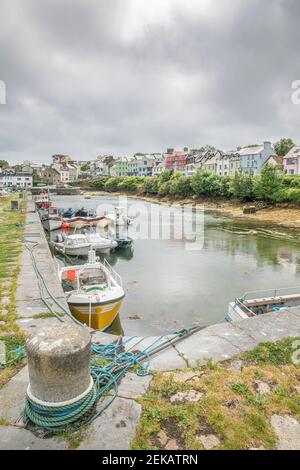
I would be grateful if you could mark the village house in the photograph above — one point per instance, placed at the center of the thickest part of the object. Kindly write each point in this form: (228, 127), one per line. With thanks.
(141, 165)
(11, 178)
(229, 163)
(66, 166)
(158, 168)
(63, 171)
(121, 166)
(50, 175)
(291, 161)
(176, 160)
(212, 160)
(254, 157)
(102, 165)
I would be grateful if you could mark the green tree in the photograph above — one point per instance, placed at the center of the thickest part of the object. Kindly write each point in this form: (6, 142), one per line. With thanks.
(205, 183)
(112, 184)
(180, 186)
(130, 183)
(268, 183)
(4, 164)
(242, 186)
(36, 179)
(165, 175)
(150, 185)
(164, 188)
(283, 146)
(85, 167)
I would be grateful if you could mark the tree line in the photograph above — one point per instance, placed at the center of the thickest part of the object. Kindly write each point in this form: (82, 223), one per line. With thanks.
(271, 185)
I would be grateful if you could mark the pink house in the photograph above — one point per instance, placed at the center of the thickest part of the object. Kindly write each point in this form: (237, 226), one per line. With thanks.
(291, 162)
(176, 160)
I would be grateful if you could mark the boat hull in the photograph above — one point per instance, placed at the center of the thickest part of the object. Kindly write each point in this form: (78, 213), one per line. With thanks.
(100, 316)
(71, 251)
(51, 224)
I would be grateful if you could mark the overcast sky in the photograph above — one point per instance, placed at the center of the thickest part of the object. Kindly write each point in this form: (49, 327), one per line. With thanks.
(86, 77)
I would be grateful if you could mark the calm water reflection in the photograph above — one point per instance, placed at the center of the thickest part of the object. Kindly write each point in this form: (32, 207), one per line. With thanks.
(168, 287)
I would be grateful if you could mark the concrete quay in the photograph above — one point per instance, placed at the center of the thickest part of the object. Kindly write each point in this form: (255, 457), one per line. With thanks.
(114, 428)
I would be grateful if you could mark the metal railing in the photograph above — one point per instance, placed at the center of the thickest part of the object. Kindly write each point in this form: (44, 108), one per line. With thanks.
(113, 273)
(239, 302)
(273, 292)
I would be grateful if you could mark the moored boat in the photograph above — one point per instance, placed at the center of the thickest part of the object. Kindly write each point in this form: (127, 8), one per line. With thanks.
(79, 222)
(124, 242)
(94, 292)
(252, 304)
(119, 217)
(42, 200)
(80, 244)
(50, 218)
(72, 245)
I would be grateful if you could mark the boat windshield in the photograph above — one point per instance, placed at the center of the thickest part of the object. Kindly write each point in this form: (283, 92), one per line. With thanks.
(73, 279)
(76, 241)
(92, 277)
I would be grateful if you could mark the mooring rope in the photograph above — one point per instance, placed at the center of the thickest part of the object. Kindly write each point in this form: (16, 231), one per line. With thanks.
(108, 364)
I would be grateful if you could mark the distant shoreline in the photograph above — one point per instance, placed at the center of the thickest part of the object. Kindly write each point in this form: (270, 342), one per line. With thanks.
(288, 217)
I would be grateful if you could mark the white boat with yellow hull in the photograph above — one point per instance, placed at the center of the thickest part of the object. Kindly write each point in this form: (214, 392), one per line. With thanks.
(94, 292)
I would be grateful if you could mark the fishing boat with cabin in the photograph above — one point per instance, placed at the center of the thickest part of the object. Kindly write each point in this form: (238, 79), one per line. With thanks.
(94, 292)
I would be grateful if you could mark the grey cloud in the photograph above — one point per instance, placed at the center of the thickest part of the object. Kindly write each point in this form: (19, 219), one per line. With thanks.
(80, 80)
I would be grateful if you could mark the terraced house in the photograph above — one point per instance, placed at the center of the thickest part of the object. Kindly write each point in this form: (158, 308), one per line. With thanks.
(254, 157)
(141, 165)
(121, 166)
(10, 178)
(291, 162)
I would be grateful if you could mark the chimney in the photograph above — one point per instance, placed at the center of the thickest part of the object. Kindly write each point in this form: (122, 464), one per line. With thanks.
(267, 144)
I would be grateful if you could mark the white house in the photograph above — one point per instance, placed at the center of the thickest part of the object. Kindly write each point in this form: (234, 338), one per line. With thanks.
(15, 179)
(253, 158)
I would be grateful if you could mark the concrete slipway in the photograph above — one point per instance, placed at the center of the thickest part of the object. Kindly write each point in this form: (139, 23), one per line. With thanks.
(115, 427)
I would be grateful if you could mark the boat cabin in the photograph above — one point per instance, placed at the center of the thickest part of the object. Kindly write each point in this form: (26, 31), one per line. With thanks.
(85, 278)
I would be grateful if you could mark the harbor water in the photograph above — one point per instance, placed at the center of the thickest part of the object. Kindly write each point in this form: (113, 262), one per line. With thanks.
(169, 286)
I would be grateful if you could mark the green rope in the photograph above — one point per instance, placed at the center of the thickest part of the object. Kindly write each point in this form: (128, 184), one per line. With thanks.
(52, 418)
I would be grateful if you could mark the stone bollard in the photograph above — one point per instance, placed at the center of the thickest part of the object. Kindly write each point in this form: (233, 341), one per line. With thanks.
(249, 210)
(14, 205)
(59, 364)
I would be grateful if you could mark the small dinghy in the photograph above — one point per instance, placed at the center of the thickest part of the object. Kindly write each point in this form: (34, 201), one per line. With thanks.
(94, 292)
(124, 242)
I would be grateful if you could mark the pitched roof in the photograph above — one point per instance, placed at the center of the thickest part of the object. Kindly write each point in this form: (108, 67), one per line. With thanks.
(277, 158)
(294, 152)
(251, 150)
